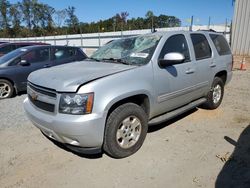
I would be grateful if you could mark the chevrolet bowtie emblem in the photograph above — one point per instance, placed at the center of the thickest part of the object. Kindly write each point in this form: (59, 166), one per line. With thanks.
(34, 96)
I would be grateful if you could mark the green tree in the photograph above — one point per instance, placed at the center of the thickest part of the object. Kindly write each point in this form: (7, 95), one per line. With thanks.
(121, 20)
(49, 12)
(72, 20)
(46, 18)
(167, 21)
(124, 16)
(37, 15)
(60, 16)
(26, 7)
(150, 16)
(4, 10)
(16, 17)
(34, 18)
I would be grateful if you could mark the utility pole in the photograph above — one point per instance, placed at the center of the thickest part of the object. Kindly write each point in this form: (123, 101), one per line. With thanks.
(81, 36)
(209, 22)
(152, 23)
(191, 24)
(114, 23)
(226, 26)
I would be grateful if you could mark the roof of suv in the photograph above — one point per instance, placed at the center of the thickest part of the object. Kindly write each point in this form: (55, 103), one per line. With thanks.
(183, 31)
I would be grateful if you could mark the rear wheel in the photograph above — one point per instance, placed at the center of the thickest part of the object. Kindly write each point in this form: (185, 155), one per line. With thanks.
(126, 129)
(6, 89)
(216, 94)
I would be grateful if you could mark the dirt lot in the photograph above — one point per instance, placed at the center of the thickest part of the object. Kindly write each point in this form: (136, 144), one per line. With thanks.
(194, 150)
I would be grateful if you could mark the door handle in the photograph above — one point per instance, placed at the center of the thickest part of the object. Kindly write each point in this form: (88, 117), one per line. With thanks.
(212, 65)
(190, 71)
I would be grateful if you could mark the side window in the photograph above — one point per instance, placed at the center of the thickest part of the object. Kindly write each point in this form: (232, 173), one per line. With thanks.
(6, 49)
(35, 56)
(201, 47)
(15, 61)
(176, 43)
(60, 53)
(220, 44)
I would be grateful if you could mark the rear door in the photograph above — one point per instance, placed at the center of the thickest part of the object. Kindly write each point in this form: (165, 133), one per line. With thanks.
(204, 60)
(35, 59)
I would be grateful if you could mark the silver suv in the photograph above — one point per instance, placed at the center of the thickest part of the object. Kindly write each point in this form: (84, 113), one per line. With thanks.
(107, 101)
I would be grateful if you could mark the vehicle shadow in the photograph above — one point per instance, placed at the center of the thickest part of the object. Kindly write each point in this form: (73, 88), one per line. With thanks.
(62, 146)
(22, 93)
(236, 171)
(154, 128)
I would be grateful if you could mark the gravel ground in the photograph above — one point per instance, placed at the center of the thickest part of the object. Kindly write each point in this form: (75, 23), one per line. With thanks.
(197, 149)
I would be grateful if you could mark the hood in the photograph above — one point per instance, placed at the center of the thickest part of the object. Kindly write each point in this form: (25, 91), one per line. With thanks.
(68, 77)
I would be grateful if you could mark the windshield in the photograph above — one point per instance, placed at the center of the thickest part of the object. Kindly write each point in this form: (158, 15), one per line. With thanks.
(133, 51)
(11, 55)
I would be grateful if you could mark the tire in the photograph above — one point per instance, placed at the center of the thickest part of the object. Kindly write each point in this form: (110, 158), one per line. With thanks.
(6, 89)
(125, 131)
(215, 96)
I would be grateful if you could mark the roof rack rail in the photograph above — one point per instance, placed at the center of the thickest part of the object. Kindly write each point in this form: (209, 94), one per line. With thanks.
(209, 30)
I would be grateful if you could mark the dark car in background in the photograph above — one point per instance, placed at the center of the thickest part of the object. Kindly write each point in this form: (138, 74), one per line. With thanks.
(8, 47)
(18, 64)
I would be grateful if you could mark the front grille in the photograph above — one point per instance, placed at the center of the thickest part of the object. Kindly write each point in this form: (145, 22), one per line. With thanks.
(42, 105)
(42, 98)
(42, 90)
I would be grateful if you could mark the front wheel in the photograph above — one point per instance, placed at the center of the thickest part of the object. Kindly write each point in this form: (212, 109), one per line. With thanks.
(216, 94)
(126, 129)
(6, 89)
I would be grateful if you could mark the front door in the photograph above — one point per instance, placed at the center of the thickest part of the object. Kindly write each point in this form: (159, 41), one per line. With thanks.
(175, 84)
(34, 60)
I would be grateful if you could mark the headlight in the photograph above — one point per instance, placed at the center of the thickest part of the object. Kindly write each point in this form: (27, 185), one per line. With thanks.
(76, 104)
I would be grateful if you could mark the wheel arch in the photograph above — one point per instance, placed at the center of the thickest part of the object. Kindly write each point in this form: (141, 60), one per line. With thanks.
(223, 75)
(142, 100)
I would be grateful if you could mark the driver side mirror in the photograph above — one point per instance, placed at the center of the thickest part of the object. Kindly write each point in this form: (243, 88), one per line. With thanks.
(24, 63)
(171, 59)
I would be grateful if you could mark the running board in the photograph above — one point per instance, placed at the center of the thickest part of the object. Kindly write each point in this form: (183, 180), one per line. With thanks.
(178, 111)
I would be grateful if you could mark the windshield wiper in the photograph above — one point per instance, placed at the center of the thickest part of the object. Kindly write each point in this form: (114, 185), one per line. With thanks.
(116, 60)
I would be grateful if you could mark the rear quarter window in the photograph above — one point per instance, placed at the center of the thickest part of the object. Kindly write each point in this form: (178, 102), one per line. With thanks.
(220, 44)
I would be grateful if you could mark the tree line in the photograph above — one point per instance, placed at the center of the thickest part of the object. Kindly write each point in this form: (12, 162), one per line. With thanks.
(28, 18)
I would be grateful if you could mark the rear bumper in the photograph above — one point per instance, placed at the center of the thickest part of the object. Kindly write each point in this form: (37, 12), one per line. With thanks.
(83, 134)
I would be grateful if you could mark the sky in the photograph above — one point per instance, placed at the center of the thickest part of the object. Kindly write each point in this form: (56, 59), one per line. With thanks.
(95, 10)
